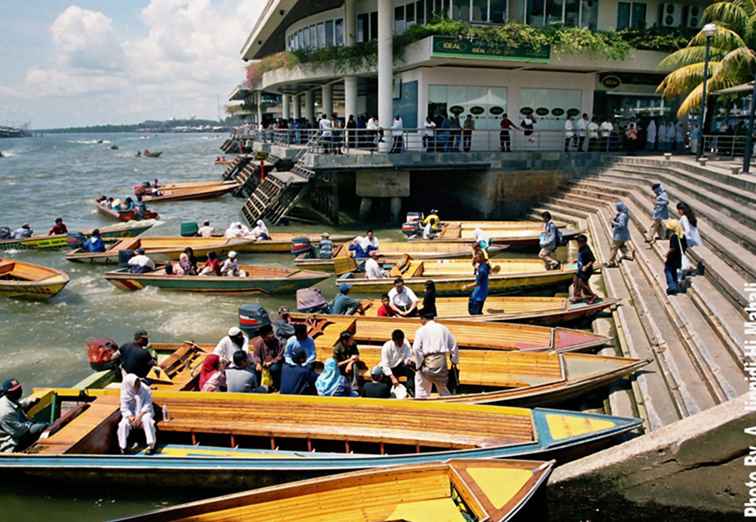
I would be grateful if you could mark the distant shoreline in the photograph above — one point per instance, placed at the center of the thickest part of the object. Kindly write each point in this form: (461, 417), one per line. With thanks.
(145, 127)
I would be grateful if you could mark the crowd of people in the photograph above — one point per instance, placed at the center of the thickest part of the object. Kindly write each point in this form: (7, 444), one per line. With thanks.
(129, 204)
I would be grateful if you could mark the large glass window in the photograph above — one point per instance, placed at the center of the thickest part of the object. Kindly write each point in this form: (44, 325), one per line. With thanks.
(362, 27)
(409, 13)
(339, 32)
(498, 11)
(631, 15)
(329, 40)
(374, 25)
(535, 12)
(306, 38)
(571, 12)
(461, 10)
(321, 32)
(420, 11)
(551, 105)
(480, 10)
(554, 12)
(589, 14)
(399, 23)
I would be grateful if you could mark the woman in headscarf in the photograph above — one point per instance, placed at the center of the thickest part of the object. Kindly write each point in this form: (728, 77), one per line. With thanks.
(620, 236)
(212, 378)
(236, 230)
(673, 261)
(188, 263)
(331, 383)
(429, 298)
(482, 239)
(260, 231)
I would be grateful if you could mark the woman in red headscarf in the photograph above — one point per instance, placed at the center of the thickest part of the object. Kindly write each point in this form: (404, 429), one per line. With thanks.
(212, 378)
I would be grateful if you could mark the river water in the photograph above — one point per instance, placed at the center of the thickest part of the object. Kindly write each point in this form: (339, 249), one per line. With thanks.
(42, 344)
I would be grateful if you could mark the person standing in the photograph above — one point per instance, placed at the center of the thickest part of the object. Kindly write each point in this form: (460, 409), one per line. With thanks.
(326, 133)
(17, 430)
(433, 344)
(569, 133)
(581, 130)
(631, 138)
(528, 127)
(651, 135)
(605, 131)
(429, 298)
(593, 136)
(429, 138)
(480, 287)
(660, 213)
(505, 139)
(136, 412)
(397, 131)
(135, 357)
(585, 262)
(689, 222)
(397, 361)
(467, 132)
(549, 241)
(673, 259)
(620, 236)
(351, 126)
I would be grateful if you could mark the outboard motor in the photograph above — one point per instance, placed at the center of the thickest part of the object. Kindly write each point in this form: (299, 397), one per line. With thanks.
(5, 233)
(124, 256)
(102, 354)
(189, 229)
(252, 317)
(302, 245)
(75, 239)
(412, 226)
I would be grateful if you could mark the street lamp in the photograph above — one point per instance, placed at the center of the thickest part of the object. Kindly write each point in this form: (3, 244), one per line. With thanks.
(708, 30)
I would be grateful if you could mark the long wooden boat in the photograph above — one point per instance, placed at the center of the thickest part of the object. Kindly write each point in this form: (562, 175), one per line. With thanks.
(486, 376)
(512, 309)
(392, 252)
(513, 233)
(150, 154)
(232, 440)
(280, 242)
(473, 490)
(123, 215)
(325, 329)
(29, 281)
(160, 248)
(451, 277)
(259, 279)
(119, 230)
(193, 192)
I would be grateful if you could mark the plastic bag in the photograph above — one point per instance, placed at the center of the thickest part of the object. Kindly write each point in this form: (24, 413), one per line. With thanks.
(399, 391)
(266, 379)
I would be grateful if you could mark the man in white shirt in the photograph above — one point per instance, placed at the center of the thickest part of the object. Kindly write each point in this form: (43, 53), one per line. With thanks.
(397, 133)
(396, 360)
(326, 133)
(136, 412)
(593, 135)
(402, 299)
(206, 230)
(433, 341)
(569, 133)
(373, 268)
(651, 135)
(581, 126)
(235, 340)
(605, 130)
(140, 263)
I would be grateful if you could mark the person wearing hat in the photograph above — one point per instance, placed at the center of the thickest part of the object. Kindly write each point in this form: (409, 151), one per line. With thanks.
(267, 354)
(342, 304)
(17, 430)
(347, 355)
(377, 387)
(24, 232)
(433, 344)
(302, 340)
(325, 246)
(58, 228)
(135, 357)
(235, 340)
(373, 268)
(297, 378)
(230, 266)
(136, 413)
(141, 263)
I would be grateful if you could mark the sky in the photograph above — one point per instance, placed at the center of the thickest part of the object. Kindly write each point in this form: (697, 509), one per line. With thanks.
(74, 63)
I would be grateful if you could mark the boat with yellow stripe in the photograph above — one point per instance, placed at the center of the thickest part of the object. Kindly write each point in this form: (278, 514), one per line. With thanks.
(177, 192)
(453, 277)
(472, 490)
(231, 440)
(280, 242)
(120, 230)
(522, 234)
(23, 280)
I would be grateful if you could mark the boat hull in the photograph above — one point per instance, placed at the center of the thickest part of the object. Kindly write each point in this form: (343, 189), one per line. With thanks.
(124, 216)
(29, 281)
(280, 243)
(61, 240)
(160, 253)
(191, 193)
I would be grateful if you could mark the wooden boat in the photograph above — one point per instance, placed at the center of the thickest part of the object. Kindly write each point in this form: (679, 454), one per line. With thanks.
(160, 248)
(152, 154)
(456, 490)
(486, 376)
(29, 281)
(224, 162)
(513, 233)
(123, 215)
(196, 192)
(392, 252)
(260, 279)
(232, 440)
(520, 309)
(280, 242)
(119, 230)
(451, 277)
(325, 329)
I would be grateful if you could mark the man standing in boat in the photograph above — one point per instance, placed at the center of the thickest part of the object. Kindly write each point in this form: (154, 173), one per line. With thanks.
(433, 341)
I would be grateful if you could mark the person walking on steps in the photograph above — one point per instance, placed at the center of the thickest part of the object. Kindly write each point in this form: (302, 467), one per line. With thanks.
(549, 241)
(660, 213)
(620, 236)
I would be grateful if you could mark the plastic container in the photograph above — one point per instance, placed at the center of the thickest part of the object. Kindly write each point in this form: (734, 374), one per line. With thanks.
(189, 229)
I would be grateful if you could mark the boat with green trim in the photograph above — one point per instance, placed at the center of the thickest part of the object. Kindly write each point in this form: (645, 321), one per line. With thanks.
(23, 280)
(120, 230)
(160, 248)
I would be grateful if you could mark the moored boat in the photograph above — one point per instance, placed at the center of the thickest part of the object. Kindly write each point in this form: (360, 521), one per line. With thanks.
(159, 248)
(453, 277)
(517, 309)
(29, 281)
(179, 193)
(473, 490)
(119, 230)
(259, 279)
(152, 154)
(523, 234)
(280, 242)
(124, 215)
(233, 440)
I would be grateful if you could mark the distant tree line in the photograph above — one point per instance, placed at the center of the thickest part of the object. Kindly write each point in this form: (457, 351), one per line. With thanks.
(149, 125)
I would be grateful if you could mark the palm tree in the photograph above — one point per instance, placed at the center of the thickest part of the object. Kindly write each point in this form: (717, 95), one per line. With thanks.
(732, 59)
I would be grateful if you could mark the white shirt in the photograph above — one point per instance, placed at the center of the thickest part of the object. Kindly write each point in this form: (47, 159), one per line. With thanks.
(393, 355)
(651, 132)
(142, 261)
(326, 126)
(432, 338)
(606, 129)
(365, 242)
(230, 267)
(593, 129)
(226, 348)
(569, 128)
(404, 300)
(430, 126)
(581, 125)
(134, 403)
(373, 270)
(692, 236)
(371, 124)
(207, 231)
(396, 127)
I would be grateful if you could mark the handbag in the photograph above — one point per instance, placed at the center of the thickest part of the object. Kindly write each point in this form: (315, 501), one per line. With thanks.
(686, 266)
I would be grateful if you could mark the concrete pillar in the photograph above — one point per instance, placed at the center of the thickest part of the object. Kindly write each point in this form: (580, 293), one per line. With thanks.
(285, 106)
(309, 106)
(259, 107)
(350, 30)
(396, 209)
(350, 96)
(385, 62)
(327, 97)
(366, 205)
(297, 106)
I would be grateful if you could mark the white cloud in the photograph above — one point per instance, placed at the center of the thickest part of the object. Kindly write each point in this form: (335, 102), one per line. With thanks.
(85, 39)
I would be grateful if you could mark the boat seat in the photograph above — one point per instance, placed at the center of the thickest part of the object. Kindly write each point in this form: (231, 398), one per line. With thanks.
(6, 266)
(90, 432)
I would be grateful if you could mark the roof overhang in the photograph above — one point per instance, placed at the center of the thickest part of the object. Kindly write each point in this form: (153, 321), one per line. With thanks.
(745, 88)
(240, 92)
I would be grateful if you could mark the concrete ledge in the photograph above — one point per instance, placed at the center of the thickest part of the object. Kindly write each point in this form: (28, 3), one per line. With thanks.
(694, 464)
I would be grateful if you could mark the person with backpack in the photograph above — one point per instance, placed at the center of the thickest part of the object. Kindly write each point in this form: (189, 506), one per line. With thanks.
(585, 262)
(549, 241)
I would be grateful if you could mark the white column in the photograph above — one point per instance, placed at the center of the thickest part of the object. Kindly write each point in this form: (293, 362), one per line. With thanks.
(350, 96)
(385, 62)
(285, 106)
(350, 31)
(309, 106)
(327, 97)
(259, 107)
(297, 106)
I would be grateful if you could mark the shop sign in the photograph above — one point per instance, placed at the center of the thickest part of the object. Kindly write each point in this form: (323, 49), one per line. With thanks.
(496, 110)
(611, 81)
(557, 112)
(456, 109)
(527, 111)
(542, 111)
(571, 113)
(477, 110)
(465, 48)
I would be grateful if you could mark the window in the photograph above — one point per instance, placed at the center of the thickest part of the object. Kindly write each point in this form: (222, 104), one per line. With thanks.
(329, 33)
(409, 13)
(480, 10)
(554, 12)
(461, 10)
(429, 11)
(420, 11)
(399, 24)
(321, 36)
(339, 32)
(631, 15)
(535, 12)
(445, 100)
(362, 28)
(498, 11)
(571, 12)
(306, 38)
(374, 25)
(589, 14)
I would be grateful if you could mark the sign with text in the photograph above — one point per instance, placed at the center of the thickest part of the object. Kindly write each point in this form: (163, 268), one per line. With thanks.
(469, 48)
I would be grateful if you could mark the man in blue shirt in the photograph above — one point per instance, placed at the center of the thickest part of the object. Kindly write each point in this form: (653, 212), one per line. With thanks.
(300, 340)
(296, 377)
(342, 304)
(94, 243)
(480, 288)
(660, 213)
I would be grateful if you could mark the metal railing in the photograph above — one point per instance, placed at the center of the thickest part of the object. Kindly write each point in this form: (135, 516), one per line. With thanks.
(732, 145)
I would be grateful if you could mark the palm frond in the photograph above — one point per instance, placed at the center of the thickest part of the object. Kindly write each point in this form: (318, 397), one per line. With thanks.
(681, 81)
(723, 38)
(730, 14)
(691, 102)
(740, 62)
(689, 56)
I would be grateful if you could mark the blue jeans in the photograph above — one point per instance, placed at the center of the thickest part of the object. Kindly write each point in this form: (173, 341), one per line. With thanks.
(671, 275)
(475, 307)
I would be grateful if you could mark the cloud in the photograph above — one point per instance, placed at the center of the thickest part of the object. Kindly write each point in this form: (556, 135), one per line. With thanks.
(85, 39)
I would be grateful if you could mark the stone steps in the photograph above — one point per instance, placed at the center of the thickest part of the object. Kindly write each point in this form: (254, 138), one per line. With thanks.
(734, 180)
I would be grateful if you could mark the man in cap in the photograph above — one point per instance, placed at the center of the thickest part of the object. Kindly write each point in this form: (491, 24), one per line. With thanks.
(136, 412)
(433, 341)
(297, 378)
(141, 263)
(17, 430)
(373, 268)
(230, 266)
(325, 246)
(235, 340)
(376, 388)
(302, 340)
(24, 232)
(342, 304)
(135, 357)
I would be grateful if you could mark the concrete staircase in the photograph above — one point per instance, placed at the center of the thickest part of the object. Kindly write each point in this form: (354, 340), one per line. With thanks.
(696, 339)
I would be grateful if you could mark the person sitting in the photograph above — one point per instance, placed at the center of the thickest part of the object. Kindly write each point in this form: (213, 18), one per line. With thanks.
(396, 360)
(331, 383)
(429, 299)
(302, 340)
(136, 412)
(212, 377)
(206, 230)
(17, 430)
(325, 246)
(141, 263)
(385, 309)
(58, 228)
(347, 355)
(235, 340)
(236, 230)
(376, 388)
(94, 243)
(169, 270)
(373, 268)
(260, 232)
(140, 208)
(23, 232)
(127, 205)
(230, 266)
(297, 378)
(431, 224)
(283, 327)
(188, 263)
(342, 304)
(267, 355)
(402, 299)
(212, 266)
(115, 204)
(239, 378)
(362, 246)
(135, 357)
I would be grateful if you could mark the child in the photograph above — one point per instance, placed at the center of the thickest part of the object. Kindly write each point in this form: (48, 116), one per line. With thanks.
(585, 262)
